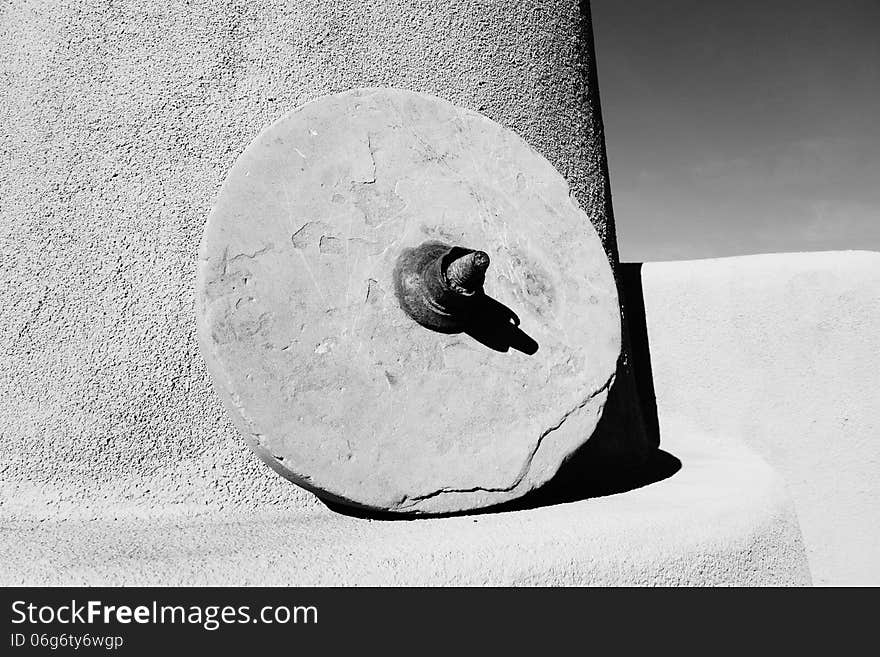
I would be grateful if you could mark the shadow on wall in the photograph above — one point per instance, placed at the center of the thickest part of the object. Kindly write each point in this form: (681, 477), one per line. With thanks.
(590, 472)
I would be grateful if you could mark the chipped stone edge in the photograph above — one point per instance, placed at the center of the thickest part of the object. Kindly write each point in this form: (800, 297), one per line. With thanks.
(522, 484)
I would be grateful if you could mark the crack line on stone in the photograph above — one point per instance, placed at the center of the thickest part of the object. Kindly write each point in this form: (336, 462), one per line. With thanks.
(409, 501)
(372, 159)
(251, 256)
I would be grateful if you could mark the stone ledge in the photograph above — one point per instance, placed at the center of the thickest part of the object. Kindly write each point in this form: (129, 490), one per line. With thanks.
(723, 519)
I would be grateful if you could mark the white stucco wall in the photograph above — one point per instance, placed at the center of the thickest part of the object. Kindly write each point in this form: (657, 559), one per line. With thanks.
(782, 352)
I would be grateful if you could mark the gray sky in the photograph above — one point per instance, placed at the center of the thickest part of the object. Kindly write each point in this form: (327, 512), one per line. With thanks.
(741, 127)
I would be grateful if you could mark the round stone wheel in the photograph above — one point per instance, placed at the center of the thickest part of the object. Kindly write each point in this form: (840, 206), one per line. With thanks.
(329, 380)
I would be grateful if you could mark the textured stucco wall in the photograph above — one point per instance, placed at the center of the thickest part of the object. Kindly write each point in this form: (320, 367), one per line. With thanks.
(782, 352)
(119, 122)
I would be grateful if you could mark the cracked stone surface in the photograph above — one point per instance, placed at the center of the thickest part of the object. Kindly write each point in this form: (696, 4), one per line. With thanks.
(329, 381)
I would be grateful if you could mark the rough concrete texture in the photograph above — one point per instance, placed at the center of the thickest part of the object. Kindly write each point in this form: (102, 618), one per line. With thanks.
(331, 382)
(119, 122)
(724, 519)
(781, 351)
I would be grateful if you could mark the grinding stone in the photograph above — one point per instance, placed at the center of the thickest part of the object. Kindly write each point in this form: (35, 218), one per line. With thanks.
(331, 383)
